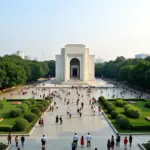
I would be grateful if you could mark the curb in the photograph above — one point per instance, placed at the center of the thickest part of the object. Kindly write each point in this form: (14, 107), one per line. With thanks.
(8, 147)
(141, 146)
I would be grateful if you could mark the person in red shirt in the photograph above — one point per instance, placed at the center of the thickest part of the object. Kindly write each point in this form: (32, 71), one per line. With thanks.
(125, 142)
(82, 141)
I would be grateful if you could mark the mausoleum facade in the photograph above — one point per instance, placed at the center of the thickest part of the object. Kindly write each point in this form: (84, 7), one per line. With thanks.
(74, 63)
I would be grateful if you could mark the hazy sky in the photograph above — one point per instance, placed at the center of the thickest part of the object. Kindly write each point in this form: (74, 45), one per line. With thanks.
(110, 28)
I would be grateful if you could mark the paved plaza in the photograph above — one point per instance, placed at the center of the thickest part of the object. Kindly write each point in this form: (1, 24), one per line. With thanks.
(60, 137)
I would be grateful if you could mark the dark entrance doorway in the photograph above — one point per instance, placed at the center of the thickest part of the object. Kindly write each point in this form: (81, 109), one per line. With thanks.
(74, 68)
(75, 72)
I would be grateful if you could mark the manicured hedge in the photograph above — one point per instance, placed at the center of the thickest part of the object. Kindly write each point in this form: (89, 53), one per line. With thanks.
(28, 103)
(101, 99)
(121, 103)
(111, 108)
(6, 128)
(33, 101)
(30, 117)
(140, 127)
(114, 114)
(23, 107)
(21, 125)
(124, 123)
(35, 110)
(15, 112)
(1, 105)
(3, 146)
(119, 116)
(131, 111)
(147, 105)
(147, 146)
(40, 105)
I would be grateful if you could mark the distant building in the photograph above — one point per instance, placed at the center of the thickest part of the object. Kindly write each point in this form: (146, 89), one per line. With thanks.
(99, 60)
(19, 53)
(27, 57)
(142, 56)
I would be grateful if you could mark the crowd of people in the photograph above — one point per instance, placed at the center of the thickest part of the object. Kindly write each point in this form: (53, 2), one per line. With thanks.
(62, 95)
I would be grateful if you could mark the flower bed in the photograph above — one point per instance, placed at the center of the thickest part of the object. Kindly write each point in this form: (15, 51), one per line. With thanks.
(1, 119)
(16, 103)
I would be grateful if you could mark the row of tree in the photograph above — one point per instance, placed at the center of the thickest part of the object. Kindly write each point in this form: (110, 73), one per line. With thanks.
(133, 71)
(14, 70)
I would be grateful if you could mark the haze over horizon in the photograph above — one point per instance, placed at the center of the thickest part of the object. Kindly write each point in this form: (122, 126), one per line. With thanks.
(108, 28)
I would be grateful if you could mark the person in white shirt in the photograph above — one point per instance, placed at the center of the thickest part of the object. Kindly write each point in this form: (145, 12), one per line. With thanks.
(43, 140)
(70, 113)
(75, 139)
(88, 139)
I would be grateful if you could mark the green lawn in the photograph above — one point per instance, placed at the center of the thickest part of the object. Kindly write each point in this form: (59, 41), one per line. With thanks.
(7, 106)
(138, 121)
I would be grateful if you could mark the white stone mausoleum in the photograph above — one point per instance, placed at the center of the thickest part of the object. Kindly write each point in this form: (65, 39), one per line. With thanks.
(75, 63)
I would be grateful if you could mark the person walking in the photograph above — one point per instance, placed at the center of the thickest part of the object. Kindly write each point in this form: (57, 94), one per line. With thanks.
(112, 142)
(43, 141)
(16, 140)
(22, 140)
(82, 141)
(88, 139)
(130, 140)
(70, 113)
(118, 140)
(57, 119)
(73, 146)
(80, 112)
(60, 119)
(108, 145)
(75, 139)
(9, 137)
(125, 142)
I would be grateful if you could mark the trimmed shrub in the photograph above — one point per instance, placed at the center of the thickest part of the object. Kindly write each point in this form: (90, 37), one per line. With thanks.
(33, 101)
(111, 108)
(147, 105)
(48, 98)
(106, 104)
(35, 110)
(114, 114)
(140, 127)
(23, 107)
(124, 123)
(30, 117)
(40, 105)
(21, 125)
(15, 112)
(133, 113)
(3, 146)
(1, 105)
(119, 116)
(6, 128)
(28, 103)
(101, 99)
(121, 103)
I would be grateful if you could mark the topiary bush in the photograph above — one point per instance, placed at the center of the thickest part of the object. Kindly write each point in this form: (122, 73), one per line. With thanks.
(3, 146)
(23, 107)
(121, 103)
(40, 105)
(21, 125)
(106, 104)
(33, 101)
(133, 113)
(15, 112)
(147, 104)
(48, 98)
(28, 103)
(114, 114)
(5, 127)
(119, 116)
(124, 123)
(101, 99)
(30, 117)
(111, 108)
(1, 105)
(35, 110)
